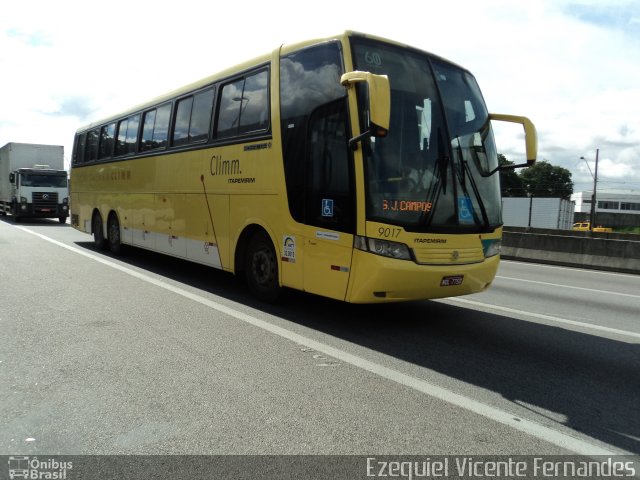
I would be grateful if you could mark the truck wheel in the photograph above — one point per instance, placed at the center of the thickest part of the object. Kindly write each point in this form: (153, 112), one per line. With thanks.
(62, 219)
(98, 234)
(113, 232)
(261, 268)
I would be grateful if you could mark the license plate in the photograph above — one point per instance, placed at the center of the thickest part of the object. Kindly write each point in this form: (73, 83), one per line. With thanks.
(451, 281)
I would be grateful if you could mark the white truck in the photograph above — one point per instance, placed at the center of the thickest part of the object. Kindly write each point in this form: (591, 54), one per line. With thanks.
(33, 181)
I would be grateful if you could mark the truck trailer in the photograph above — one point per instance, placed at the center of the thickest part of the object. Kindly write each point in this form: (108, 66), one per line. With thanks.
(33, 181)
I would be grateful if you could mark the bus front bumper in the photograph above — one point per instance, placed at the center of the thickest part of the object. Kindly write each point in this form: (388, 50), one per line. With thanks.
(378, 279)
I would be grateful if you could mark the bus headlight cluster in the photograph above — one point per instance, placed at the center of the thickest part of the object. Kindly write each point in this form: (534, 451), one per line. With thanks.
(384, 248)
(491, 247)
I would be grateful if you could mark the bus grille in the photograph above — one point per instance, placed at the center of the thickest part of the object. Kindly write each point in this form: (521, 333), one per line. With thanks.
(448, 256)
(45, 200)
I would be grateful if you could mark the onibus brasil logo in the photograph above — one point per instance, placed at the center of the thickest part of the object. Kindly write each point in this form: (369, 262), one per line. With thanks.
(34, 468)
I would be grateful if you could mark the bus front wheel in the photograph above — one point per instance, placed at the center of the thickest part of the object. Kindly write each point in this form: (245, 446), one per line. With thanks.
(261, 268)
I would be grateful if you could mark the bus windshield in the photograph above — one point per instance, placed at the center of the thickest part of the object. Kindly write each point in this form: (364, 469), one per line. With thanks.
(433, 171)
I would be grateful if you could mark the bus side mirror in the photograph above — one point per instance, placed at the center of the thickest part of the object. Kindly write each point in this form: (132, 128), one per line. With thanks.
(12, 177)
(530, 138)
(379, 102)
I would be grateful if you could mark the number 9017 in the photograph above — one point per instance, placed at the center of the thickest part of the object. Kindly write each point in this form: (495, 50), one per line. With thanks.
(388, 232)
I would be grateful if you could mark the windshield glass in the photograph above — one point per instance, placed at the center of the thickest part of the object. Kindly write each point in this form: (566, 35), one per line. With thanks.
(43, 180)
(432, 171)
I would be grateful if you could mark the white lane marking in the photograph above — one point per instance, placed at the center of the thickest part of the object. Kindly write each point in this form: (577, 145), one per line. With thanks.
(541, 316)
(607, 292)
(573, 269)
(529, 427)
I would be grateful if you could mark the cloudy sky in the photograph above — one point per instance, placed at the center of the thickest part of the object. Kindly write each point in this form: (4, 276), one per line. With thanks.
(572, 66)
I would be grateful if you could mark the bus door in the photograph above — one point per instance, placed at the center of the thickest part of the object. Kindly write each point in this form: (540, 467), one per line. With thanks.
(329, 203)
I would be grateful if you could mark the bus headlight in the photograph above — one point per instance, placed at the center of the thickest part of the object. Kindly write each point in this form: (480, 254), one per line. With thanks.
(384, 248)
(491, 247)
(23, 199)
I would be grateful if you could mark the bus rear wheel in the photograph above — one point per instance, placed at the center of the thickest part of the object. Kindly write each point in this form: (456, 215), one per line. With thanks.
(261, 268)
(113, 234)
(98, 234)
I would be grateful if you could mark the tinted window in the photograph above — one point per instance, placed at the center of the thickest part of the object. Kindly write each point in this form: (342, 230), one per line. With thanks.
(147, 130)
(91, 149)
(122, 137)
(201, 116)
(309, 79)
(244, 106)
(155, 128)
(78, 152)
(107, 134)
(127, 135)
(254, 114)
(132, 133)
(161, 129)
(329, 177)
(193, 118)
(229, 113)
(183, 117)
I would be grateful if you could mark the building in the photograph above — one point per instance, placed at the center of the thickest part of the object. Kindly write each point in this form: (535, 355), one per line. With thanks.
(615, 208)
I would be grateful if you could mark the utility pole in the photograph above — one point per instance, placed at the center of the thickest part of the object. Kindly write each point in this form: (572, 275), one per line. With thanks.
(594, 196)
(592, 216)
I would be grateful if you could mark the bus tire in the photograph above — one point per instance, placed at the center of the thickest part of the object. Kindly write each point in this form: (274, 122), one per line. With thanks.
(113, 234)
(98, 233)
(62, 219)
(261, 268)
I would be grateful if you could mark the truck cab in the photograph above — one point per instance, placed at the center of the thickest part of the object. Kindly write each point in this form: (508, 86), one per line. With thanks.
(39, 192)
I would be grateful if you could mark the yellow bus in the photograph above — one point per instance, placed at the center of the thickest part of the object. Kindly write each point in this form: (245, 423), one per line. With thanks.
(351, 167)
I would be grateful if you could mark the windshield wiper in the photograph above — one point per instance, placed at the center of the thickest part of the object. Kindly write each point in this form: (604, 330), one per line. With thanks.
(474, 186)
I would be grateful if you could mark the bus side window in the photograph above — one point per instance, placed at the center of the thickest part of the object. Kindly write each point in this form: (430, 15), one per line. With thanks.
(155, 128)
(193, 118)
(149, 122)
(183, 117)
(78, 151)
(91, 149)
(161, 128)
(254, 115)
(244, 106)
(127, 135)
(201, 116)
(231, 103)
(107, 134)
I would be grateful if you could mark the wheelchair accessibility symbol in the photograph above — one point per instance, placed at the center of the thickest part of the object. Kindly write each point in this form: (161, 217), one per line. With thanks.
(465, 210)
(327, 207)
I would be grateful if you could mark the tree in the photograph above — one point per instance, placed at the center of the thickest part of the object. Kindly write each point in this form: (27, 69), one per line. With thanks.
(545, 180)
(510, 183)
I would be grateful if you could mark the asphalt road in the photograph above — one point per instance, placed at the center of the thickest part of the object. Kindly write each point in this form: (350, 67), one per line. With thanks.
(145, 354)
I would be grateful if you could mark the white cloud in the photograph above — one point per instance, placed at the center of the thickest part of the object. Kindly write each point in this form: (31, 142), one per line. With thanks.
(573, 67)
